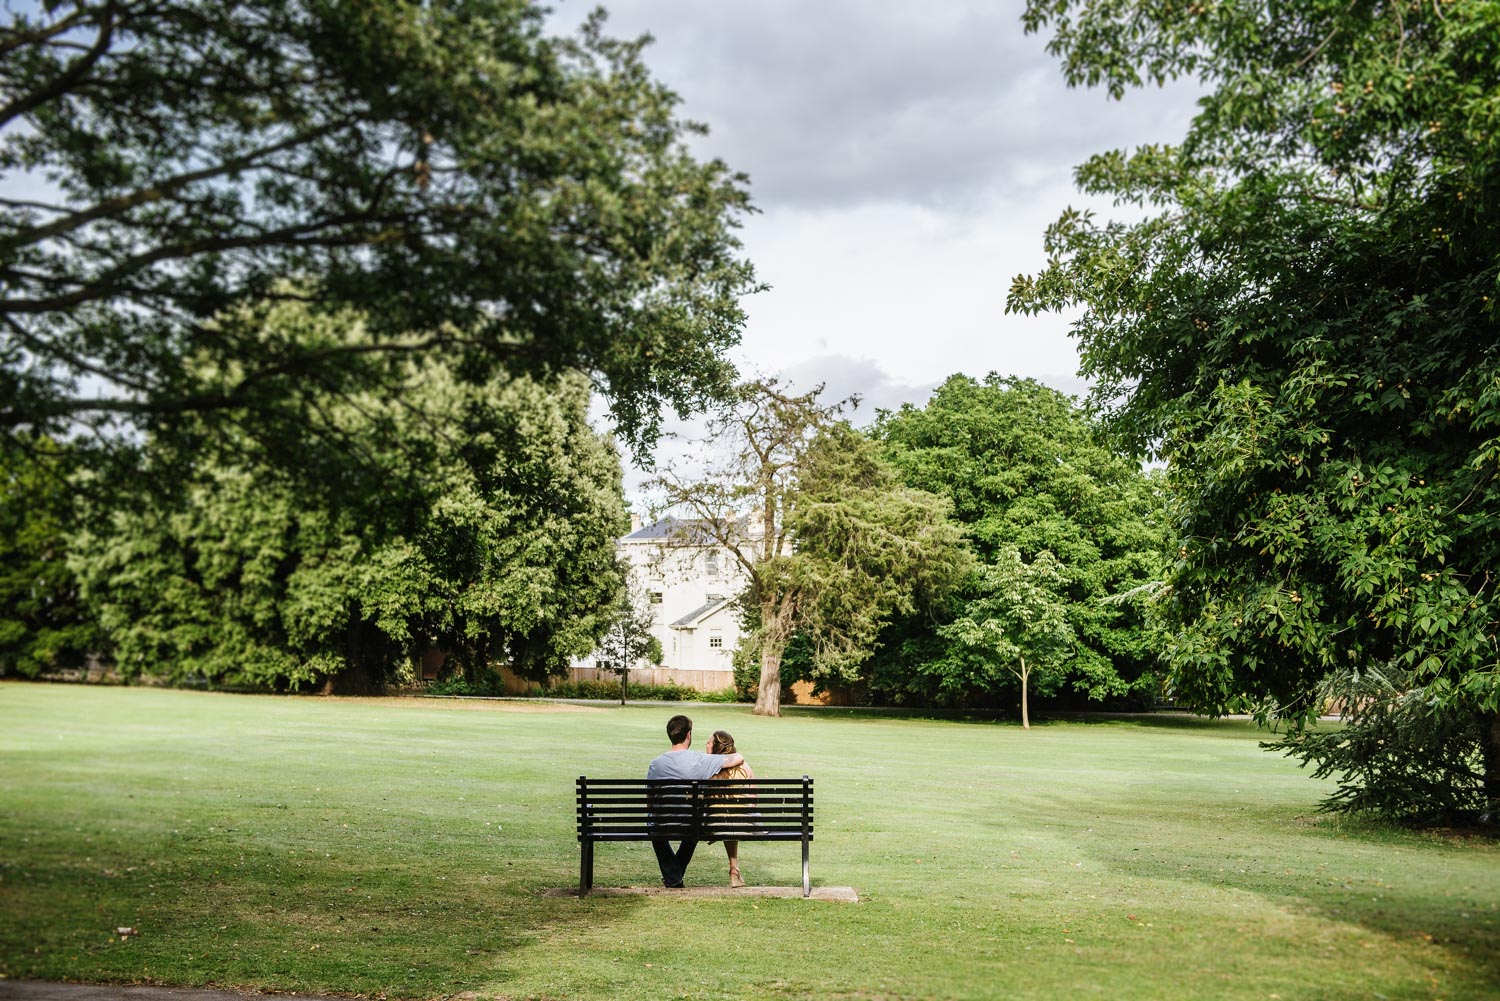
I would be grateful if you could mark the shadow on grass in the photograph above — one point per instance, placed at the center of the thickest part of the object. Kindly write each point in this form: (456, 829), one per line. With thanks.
(1412, 904)
(207, 911)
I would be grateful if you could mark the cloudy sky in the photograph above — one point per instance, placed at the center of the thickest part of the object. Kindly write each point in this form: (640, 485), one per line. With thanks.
(905, 159)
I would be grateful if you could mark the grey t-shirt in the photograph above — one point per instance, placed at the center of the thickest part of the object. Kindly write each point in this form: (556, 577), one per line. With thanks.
(685, 765)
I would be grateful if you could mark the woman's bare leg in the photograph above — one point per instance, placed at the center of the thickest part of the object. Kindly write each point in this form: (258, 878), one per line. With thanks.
(732, 849)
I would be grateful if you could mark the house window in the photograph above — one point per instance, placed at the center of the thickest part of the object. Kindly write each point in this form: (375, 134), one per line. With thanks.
(656, 597)
(711, 564)
(715, 640)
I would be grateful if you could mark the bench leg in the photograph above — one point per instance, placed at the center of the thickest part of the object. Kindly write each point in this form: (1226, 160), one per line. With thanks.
(585, 868)
(806, 882)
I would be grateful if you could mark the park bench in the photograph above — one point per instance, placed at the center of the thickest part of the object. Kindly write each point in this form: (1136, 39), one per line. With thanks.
(694, 810)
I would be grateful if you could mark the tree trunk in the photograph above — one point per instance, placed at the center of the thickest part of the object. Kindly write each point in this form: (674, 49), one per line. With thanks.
(775, 630)
(1491, 811)
(768, 697)
(363, 672)
(1025, 714)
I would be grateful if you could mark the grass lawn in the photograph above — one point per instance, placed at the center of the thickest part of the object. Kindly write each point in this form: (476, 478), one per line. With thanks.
(397, 848)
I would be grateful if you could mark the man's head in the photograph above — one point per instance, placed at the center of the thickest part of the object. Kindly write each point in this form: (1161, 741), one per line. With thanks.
(679, 729)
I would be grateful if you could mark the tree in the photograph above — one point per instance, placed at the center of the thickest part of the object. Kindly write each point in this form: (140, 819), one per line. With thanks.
(44, 623)
(1025, 469)
(492, 539)
(1018, 613)
(627, 640)
(834, 546)
(522, 204)
(1401, 753)
(1304, 326)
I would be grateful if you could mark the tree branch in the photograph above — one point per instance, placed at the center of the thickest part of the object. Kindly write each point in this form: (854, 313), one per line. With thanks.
(288, 236)
(157, 192)
(31, 344)
(76, 71)
(237, 397)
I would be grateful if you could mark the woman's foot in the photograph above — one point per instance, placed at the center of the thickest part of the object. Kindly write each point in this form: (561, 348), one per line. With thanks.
(734, 876)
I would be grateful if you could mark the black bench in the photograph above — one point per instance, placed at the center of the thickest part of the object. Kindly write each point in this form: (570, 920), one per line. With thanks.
(698, 810)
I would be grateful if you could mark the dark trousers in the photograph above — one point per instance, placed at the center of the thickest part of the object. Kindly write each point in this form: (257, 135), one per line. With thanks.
(673, 864)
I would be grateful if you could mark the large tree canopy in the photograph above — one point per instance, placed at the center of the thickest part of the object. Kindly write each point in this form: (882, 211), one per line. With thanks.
(497, 547)
(526, 204)
(1304, 326)
(1027, 474)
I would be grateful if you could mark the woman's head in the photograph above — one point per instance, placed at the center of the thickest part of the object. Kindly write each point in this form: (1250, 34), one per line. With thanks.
(721, 743)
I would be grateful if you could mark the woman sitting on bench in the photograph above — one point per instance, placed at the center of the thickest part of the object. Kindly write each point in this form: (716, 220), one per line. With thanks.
(722, 743)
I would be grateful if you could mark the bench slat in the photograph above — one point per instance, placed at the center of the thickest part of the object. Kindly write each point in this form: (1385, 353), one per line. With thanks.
(718, 809)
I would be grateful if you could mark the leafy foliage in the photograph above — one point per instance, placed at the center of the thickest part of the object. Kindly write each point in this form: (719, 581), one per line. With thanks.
(1017, 623)
(1304, 326)
(1401, 753)
(627, 639)
(44, 623)
(495, 544)
(1026, 472)
(602, 689)
(523, 204)
(867, 548)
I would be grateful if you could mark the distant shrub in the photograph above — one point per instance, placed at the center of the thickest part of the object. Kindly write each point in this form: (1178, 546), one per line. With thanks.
(487, 684)
(646, 693)
(491, 685)
(746, 671)
(584, 690)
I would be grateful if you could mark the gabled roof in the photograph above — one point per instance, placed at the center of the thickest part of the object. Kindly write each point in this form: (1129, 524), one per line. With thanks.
(681, 531)
(702, 612)
(688, 530)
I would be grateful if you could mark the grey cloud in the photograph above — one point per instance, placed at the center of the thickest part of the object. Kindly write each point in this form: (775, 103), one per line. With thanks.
(839, 103)
(844, 376)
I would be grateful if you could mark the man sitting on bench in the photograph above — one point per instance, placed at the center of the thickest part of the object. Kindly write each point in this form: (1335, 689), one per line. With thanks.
(681, 763)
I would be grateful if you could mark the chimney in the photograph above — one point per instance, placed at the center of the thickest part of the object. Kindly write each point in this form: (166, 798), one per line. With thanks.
(635, 523)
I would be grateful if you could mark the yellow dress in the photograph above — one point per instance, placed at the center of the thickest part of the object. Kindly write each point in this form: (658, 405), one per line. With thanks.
(735, 820)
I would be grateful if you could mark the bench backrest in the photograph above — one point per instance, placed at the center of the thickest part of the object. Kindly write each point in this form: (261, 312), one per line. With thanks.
(722, 809)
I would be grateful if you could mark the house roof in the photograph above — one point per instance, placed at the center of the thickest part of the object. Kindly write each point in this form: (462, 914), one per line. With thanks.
(702, 612)
(690, 530)
(681, 531)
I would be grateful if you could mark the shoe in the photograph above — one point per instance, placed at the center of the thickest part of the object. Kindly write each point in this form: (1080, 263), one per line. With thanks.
(735, 881)
(674, 886)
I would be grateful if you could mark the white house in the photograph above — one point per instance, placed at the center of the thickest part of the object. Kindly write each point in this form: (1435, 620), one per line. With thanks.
(690, 583)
